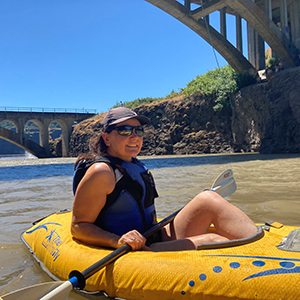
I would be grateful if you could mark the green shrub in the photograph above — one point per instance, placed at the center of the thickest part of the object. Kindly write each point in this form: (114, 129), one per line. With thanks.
(271, 62)
(219, 83)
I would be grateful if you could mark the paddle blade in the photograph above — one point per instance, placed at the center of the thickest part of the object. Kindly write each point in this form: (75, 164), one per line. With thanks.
(37, 291)
(225, 184)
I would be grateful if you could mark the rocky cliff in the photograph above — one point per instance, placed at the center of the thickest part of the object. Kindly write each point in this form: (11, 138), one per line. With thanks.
(264, 117)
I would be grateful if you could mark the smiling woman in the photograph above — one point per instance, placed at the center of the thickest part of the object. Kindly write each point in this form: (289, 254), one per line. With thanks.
(114, 197)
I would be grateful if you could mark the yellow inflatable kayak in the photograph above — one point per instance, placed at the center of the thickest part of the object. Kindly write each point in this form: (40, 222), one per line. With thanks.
(251, 269)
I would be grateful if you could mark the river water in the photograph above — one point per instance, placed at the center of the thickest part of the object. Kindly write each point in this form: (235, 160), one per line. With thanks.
(268, 190)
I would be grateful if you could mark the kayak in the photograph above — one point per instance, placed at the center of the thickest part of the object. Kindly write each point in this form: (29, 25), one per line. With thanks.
(264, 266)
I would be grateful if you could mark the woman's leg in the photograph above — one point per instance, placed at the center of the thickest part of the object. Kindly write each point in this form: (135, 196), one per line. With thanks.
(191, 224)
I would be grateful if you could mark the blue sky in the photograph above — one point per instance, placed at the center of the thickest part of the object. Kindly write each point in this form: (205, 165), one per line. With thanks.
(93, 53)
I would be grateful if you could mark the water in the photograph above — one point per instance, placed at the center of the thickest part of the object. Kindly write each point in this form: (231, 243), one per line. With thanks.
(268, 190)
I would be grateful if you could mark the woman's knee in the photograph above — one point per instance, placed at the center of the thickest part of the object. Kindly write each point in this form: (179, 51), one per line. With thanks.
(209, 199)
(204, 196)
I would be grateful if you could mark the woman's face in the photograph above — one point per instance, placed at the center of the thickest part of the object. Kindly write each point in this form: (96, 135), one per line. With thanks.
(124, 147)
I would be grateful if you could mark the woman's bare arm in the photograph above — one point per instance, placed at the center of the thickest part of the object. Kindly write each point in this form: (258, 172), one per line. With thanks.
(90, 198)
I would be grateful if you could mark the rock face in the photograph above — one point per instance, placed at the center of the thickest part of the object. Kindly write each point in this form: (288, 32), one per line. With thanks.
(264, 117)
(56, 146)
(178, 126)
(187, 126)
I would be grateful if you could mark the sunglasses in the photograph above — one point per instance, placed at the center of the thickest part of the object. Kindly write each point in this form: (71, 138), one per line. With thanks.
(126, 130)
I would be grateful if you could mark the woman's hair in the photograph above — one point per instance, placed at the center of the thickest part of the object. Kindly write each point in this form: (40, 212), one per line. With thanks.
(97, 147)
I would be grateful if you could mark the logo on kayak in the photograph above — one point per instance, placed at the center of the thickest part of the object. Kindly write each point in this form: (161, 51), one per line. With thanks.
(44, 226)
(52, 240)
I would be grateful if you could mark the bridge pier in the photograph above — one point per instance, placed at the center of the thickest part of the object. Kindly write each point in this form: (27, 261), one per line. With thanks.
(66, 129)
(239, 37)
(295, 23)
(20, 128)
(44, 134)
(223, 27)
(268, 9)
(284, 18)
(256, 49)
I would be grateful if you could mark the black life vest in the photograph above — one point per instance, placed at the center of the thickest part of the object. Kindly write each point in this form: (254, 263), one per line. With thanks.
(131, 204)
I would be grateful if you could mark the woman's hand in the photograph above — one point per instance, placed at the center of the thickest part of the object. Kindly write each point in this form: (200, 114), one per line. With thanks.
(134, 239)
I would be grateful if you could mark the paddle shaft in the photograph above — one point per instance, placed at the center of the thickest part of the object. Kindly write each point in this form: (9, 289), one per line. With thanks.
(82, 276)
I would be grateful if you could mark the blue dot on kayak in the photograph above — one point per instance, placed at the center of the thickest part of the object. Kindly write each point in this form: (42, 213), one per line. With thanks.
(182, 292)
(217, 269)
(234, 265)
(287, 265)
(192, 283)
(258, 263)
(202, 277)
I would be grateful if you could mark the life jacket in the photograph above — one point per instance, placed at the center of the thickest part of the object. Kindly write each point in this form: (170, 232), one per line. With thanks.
(131, 203)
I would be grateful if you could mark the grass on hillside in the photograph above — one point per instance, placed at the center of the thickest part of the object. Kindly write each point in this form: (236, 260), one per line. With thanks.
(220, 83)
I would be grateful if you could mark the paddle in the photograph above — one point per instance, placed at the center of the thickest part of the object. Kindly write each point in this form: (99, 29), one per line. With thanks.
(224, 184)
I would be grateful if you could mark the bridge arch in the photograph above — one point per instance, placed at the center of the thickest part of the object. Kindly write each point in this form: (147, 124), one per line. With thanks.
(42, 131)
(12, 122)
(256, 18)
(42, 120)
(195, 22)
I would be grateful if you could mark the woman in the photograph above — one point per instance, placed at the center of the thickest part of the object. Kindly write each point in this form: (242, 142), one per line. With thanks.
(114, 197)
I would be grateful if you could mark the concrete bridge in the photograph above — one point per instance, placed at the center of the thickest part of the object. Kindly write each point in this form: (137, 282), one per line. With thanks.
(42, 119)
(276, 22)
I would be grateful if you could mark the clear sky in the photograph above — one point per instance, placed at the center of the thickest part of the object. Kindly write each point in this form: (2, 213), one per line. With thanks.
(93, 53)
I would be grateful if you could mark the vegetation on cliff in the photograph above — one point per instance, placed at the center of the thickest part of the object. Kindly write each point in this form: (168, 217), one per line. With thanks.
(219, 83)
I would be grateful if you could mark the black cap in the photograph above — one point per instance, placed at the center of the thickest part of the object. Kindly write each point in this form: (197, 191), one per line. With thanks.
(121, 114)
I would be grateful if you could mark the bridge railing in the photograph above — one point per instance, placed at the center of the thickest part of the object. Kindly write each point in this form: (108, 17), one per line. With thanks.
(47, 110)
